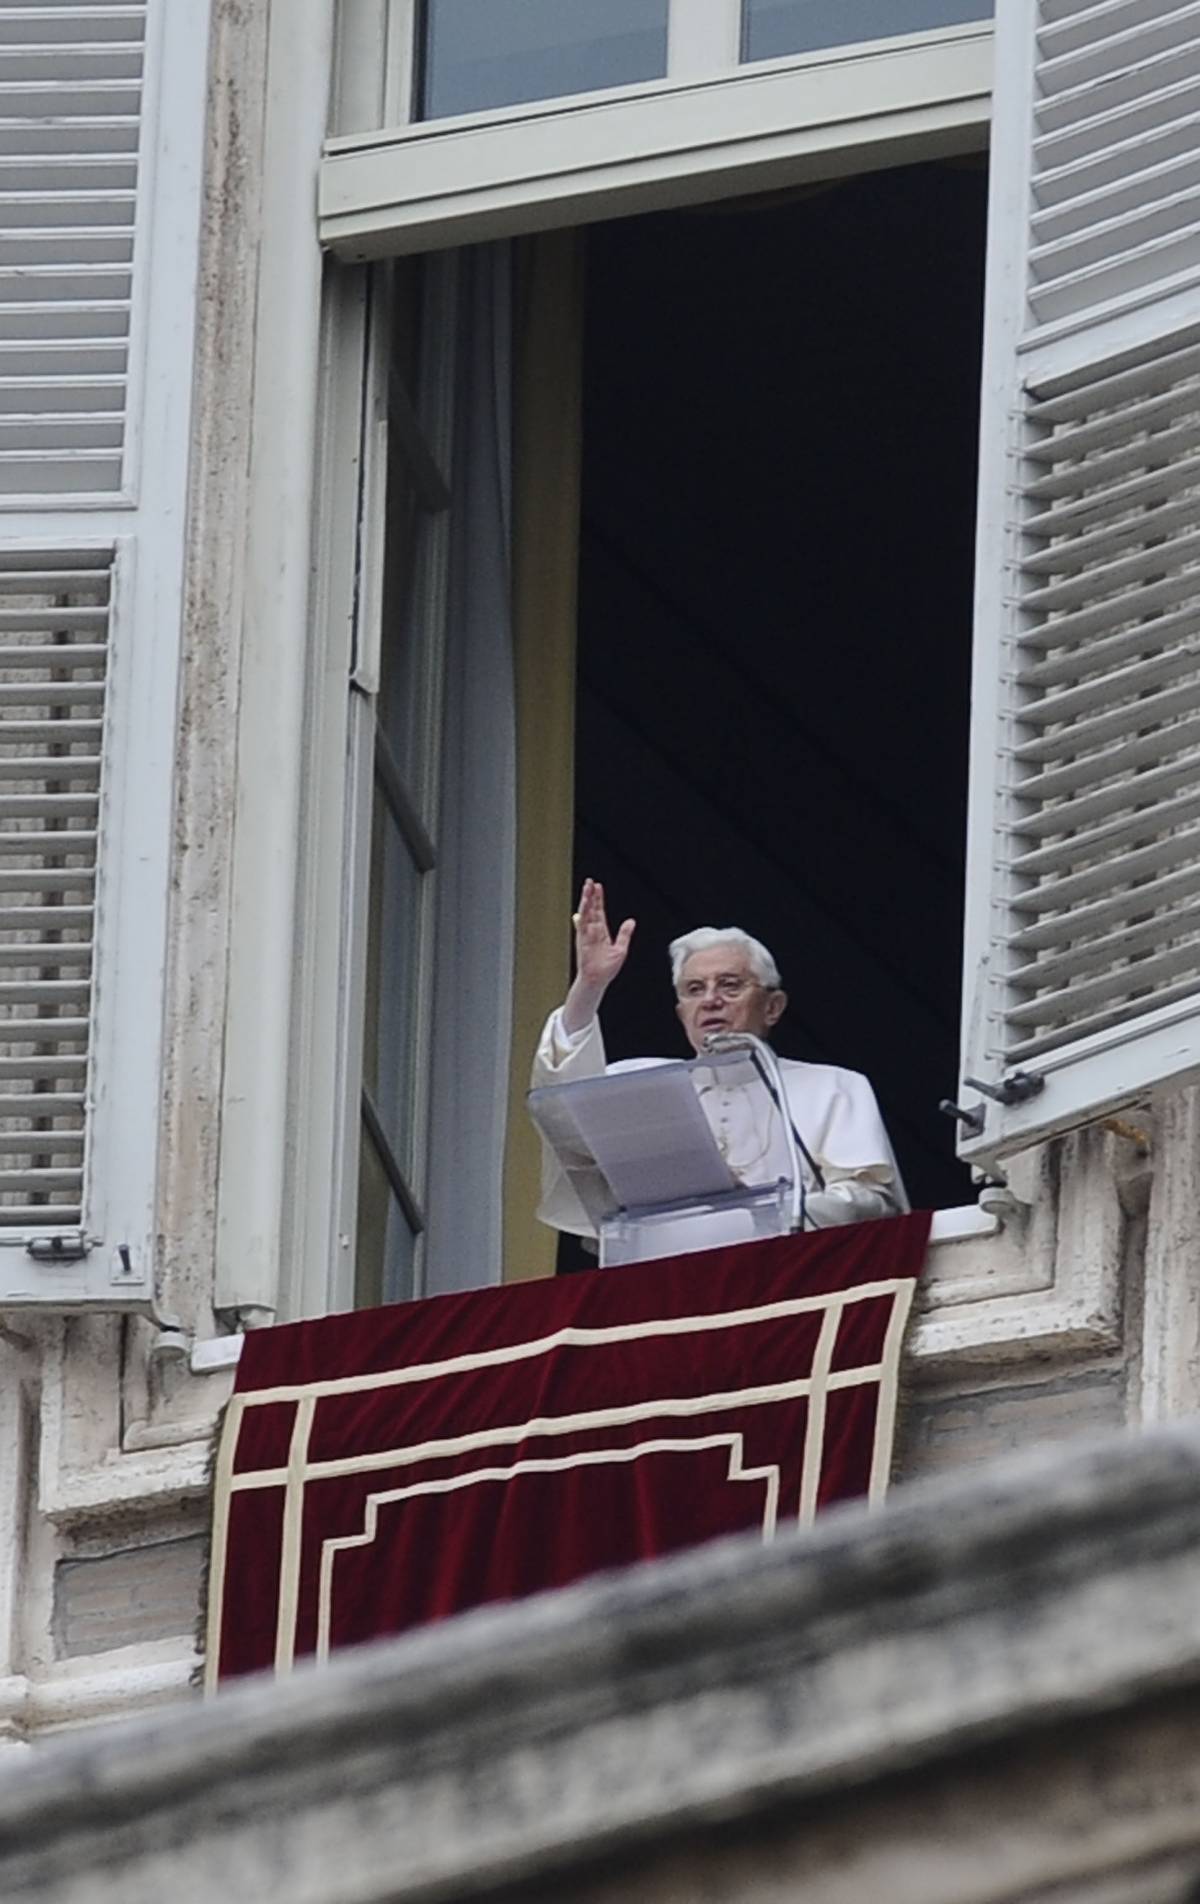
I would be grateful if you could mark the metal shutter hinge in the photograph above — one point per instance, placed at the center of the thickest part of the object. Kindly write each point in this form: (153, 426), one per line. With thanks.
(67, 1246)
(1017, 1088)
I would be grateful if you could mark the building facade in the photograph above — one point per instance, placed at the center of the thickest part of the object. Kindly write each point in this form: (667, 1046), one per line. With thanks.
(296, 309)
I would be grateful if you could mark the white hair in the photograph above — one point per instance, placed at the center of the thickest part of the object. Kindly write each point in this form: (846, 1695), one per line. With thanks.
(703, 938)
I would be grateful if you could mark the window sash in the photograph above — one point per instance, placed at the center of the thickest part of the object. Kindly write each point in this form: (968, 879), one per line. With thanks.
(403, 187)
(392, 797)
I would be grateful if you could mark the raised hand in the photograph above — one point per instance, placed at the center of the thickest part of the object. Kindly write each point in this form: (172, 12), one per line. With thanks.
(599, 956)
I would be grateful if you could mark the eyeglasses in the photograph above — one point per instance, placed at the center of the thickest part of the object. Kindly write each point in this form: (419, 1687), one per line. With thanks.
(727, 985)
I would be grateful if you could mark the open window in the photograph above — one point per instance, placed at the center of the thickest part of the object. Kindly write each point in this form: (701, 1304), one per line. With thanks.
(776, 559)
(745, 169)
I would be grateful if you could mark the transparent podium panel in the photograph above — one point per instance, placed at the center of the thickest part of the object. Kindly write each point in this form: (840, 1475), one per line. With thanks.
(677, 1229)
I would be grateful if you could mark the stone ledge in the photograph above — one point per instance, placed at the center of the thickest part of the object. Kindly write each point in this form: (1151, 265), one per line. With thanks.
(698, 1695)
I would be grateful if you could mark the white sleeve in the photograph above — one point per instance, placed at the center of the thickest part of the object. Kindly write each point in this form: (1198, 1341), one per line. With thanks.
(850, 1200)
(562, 1056)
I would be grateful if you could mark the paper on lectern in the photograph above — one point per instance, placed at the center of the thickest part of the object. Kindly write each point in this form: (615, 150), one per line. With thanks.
(644, 1129)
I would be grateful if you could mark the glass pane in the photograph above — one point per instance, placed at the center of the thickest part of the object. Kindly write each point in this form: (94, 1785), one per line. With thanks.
(478, 54)
(393, 940)
(773, 28)
(404, 657)
(384, 1269)
(409, 648)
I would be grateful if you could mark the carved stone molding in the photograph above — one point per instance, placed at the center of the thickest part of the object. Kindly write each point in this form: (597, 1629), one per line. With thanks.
(990, 1687)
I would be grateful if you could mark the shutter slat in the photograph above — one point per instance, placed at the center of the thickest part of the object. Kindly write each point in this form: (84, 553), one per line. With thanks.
(48, 806)
(1120, 160)
(50, 693)
(25, 1182)
(1086, 844)
(19, 957)
(54, 768)
(1128, 756)
(26, 1216)
(1083, 957)
(44, 991)
(53, 1142)
(1131, 790)
(1089, 735)
(50, 919)
(1109, 469)
(1023, 1051)
(1122, 686)
(42, 734)
(1092, 549)
(39, 1065)
(1141, 604)
(1098, 147)
(70, 111)
(1110, 75)
(1139, 187)
(1106, 653)
(1111, 237)
(1141, 491)
(1083, 995)
(68, 654)
(40, 1104)
(1118, 422)
(1090, 922)
(54, 842)
(1109, 577)
(1054, 895)
(46, 879)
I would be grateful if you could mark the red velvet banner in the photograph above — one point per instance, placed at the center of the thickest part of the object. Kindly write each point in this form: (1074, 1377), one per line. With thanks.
(394, 1466)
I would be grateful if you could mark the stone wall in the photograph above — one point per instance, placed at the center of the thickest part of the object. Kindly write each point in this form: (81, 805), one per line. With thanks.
(988, 1691)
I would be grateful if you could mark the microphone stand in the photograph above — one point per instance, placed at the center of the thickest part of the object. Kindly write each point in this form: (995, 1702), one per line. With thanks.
(766, 1063)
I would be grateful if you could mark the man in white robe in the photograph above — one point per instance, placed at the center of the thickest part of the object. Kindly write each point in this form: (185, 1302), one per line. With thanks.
(725, 981)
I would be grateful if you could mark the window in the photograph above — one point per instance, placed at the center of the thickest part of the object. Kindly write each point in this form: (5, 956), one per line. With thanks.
(436, 188)
(774, 654)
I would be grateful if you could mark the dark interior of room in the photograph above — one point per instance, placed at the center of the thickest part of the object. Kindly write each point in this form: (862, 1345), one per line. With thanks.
(776, 577)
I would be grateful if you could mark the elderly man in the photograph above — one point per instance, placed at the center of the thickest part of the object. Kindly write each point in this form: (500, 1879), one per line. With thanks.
(725, 981)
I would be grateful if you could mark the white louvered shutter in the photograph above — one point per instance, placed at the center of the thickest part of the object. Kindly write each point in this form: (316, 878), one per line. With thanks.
(101, 145)
(71, 79)
(1083, 946)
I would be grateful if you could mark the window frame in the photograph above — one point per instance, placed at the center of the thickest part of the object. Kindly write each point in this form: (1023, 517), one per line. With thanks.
(410, 789)
(389, 184)
(767, 125)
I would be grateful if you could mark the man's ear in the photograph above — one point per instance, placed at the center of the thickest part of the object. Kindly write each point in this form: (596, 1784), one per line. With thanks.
(774, 1006)
(679, 1009)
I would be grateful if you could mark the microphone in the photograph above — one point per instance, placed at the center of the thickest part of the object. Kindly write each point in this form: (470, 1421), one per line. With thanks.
(766, 1064)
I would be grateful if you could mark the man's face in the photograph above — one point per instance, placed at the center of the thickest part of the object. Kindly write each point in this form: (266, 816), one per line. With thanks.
(719, 992)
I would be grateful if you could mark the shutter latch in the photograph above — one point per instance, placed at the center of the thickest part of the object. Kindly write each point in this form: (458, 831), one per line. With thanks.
(66, 1246)
(1017, 1088)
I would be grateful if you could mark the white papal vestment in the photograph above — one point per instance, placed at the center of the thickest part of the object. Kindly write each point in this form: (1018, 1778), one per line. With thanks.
(833, 1110)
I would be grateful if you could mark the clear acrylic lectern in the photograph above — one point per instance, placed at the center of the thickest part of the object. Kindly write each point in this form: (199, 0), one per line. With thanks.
(638, 1151)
